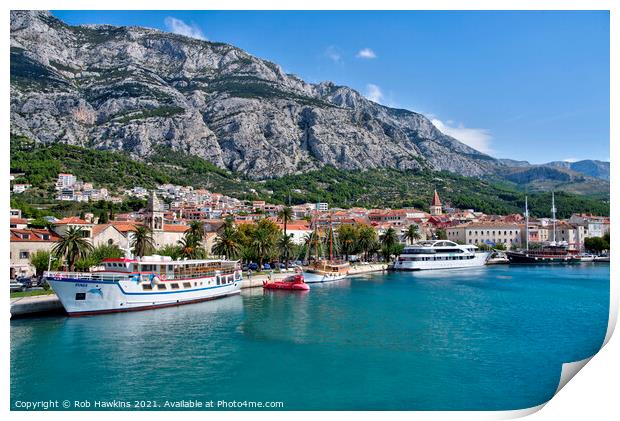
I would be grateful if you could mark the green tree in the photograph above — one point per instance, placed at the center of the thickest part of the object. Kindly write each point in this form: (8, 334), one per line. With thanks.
(285, 215)
(286, 247)
(596, 244)
(103, 217)
(142, 241)
(106, 251)
(348, 239)
(72, 245)
(389, 238)
(227, 242)
(169, 250)
(441, 234)
(264, 239)
(367, 239)
(500, 246)
(83, 264)
(40, 260)
(413, 233)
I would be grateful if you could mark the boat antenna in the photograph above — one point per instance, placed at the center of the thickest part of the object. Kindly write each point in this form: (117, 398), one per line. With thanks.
(527, 226)
(553, 210)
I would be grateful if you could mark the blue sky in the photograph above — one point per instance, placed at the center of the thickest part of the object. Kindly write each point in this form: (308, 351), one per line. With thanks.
(521, 85)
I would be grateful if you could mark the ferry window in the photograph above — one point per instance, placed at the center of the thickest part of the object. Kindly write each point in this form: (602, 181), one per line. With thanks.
(147, 287)
(187, 284)
(195, 284)
(80, 295)
(161, 286)
(174, 286)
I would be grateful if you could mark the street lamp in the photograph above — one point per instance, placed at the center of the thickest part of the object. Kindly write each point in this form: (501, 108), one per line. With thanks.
(49, 262)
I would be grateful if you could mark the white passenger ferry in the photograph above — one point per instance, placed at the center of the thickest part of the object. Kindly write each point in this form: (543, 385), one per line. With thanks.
(439, 254)
(127, 284)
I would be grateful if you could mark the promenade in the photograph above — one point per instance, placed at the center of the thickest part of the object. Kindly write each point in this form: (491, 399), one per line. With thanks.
(43, 304)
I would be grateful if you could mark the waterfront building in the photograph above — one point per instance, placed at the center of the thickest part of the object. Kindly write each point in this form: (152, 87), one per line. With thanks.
(594, 226)
(23, 244)
(486, 232)
(436, 208)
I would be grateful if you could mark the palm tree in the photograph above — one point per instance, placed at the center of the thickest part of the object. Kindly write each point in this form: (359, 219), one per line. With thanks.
(389, 237)
(72, 245)
(367, 237)
(285, 215)
(261, 244)
(348, 239)
(196, 231)
(286, 246)
(142, 241)
(413, 233)
(227, 243)
(190, 248)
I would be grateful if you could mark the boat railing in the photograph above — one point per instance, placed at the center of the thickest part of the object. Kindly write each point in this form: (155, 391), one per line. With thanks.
(90, 276)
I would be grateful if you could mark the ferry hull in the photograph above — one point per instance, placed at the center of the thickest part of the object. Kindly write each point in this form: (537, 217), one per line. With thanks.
(86, 297)
(478, 260)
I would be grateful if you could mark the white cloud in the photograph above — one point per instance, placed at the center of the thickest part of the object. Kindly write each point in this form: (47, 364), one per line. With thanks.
(570, 160)
(374, 93)
(479, 139)
(333, 54)
(178, 26)
(366, 53)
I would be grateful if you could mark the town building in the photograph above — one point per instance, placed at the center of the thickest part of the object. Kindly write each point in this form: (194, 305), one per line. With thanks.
(486, 233)
(23, 244)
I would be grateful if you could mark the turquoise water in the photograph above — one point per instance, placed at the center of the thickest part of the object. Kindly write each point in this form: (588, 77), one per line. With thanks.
(490, 338)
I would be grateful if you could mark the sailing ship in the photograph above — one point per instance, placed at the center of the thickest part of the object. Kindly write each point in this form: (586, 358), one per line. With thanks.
(127, 284)
(321, 269)
(553, 252)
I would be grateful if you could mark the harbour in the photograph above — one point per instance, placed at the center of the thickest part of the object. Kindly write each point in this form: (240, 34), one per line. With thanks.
(487, 338)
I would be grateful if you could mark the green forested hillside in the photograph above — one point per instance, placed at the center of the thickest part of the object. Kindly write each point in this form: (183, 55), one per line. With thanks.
(40, 165)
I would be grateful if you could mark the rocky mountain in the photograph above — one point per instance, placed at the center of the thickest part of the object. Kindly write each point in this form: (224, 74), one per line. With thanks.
(589, 167)
(135, 89)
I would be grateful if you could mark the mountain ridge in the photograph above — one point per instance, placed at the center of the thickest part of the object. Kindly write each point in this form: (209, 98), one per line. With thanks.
(133, 88)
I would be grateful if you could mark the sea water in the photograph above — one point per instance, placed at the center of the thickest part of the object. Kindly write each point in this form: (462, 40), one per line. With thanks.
(491, 338)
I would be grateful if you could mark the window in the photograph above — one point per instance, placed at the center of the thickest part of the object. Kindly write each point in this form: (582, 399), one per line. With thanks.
(46, 236)
(26, 236)
(24, 254)
(161, 286)
(174, 286)
(147, 287)
(80, 296)
(187, 284)
(110, 242)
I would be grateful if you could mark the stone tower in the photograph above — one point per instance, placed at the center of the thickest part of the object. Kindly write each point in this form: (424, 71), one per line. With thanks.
(154, 217)
(436, 208)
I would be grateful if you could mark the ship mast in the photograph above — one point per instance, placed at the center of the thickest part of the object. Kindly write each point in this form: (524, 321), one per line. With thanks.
(527, 226)
(331, 236)
(553, 210)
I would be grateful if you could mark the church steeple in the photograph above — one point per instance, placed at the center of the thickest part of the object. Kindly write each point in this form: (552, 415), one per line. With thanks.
(154, 217)
(436, 207)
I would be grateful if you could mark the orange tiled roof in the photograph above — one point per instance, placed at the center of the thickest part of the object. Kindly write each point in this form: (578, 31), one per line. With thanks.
(72, 220)
(35, 235)
(175, 228)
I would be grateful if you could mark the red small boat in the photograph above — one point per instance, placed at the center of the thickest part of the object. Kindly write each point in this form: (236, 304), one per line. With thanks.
(292, 283)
